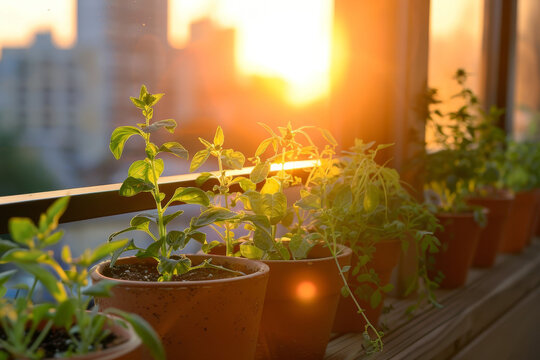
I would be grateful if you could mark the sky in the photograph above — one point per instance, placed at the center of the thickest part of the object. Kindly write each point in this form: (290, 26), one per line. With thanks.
(284, 38)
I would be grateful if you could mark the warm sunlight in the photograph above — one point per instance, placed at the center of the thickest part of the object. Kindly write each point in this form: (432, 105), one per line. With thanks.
(306, 291)
(281, 38)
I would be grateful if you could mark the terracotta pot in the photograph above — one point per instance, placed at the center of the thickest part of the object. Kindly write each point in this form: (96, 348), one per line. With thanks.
(129, 349)
(213, 319)
(300, 305)
(458, 244)
(520, 222)
(535, 224)
(384, 261)
(492, 235)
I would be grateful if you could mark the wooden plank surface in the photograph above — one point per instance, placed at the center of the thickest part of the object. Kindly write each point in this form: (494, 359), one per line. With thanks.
(468, 311)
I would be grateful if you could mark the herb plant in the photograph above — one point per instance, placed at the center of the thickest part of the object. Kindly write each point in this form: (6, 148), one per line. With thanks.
(356, 202)
(143, 176)
(468, 149)
(26, 324)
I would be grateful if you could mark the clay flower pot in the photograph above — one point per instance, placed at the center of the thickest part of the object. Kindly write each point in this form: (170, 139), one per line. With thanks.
(522, 217)
(300, 305)
(384, 261)
(212, 319)
(458, 244)
(535, 224)
(129, 347)
(492, 235)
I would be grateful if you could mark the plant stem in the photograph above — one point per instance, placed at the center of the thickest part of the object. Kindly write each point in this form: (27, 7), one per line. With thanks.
(228, 242)
(378, 341)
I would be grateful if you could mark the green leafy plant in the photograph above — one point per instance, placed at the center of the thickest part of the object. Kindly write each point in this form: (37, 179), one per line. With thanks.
(26, 324)
(220, 215)
(468, 149)
(268, 207)
(520, 167)
(143, 176)
(356, 202)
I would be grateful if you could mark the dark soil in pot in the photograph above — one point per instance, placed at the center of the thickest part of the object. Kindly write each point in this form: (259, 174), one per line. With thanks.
(121, 344)
(148, 272)
(210, 319)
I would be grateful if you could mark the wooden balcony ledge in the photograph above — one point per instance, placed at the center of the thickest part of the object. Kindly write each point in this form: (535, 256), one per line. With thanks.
(495, 316)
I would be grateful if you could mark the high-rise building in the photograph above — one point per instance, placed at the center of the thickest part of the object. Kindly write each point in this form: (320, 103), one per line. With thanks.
(49, 102)
(130, 40)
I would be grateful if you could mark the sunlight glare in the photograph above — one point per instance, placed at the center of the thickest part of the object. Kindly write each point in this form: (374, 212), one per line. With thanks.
(306, 291)
(280, 38)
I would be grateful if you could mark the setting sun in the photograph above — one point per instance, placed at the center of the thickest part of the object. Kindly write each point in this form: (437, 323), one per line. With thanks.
(281, 38)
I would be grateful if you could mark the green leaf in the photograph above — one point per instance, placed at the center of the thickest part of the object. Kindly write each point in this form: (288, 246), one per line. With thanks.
(271, 186)
(141, 221)
(22, 230)
(151, 150)
(233, 159)
(6, 245)
(245, 183)
(174, 266)
(141, 226)
(371, 198)
(204, 177)
(102, 251)
(175, 148)
(130, 245)
(328, 137)
(65, 313)
(142, 169)
(213, 215)
(138, 103)
(300, 246)
(199, 236)
(219, 138)
(52, 239)
(200, 158)
(263, 146)
(262, 239)
(66, 254)
(132, 186)
(176, 239)
(375, 299)
(119, 138)
(49, 220)
(168, 124)
(53, 286)
(168, 218)
(190, 195)
(5, 276)
(207, 247)
(274, 206)
(100, 289)
(387, 288)
(260, 172)
(152, 99)
(251, 252)
(148, 336)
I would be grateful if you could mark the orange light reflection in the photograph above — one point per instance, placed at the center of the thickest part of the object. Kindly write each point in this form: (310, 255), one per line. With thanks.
(306, 291)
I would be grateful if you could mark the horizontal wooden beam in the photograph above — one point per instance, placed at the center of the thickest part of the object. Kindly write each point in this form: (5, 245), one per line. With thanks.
(99, 201)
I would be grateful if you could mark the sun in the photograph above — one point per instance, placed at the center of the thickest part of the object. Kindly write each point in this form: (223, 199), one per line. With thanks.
(279, 38)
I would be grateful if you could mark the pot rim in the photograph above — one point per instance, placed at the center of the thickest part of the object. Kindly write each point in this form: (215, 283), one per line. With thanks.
(345, 251)
(125, 331)
(262, 270)
(464, 214)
